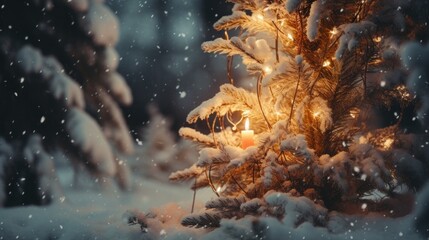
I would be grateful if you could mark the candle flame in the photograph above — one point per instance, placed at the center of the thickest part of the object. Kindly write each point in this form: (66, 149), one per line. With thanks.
(247, 124)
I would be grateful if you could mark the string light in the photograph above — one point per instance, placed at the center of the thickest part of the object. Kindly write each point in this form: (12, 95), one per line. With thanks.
(333, 32)
(289, 35)
(354, 113)
(388, 143)
(268, 70)
(326, 63)
(316, 114)
(403, 92)
(259, 16)
(377, 39)
(246, 113)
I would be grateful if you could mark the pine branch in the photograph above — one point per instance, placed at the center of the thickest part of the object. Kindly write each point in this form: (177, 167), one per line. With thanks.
(237, 19)
(204, 220)
(187, 174)
(225, 203)
(229, 99)
(195, 136)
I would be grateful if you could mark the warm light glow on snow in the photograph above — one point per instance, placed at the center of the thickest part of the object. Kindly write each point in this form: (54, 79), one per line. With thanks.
(388, 143)
(259, 16)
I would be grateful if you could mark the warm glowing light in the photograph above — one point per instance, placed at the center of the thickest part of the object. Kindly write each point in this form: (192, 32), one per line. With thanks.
(377, 39)
(333, 32)
(247, 135)
(316, 114)
(289, 35)
(388, 143)
(363, 140)
(354, 113)
(268, 70)
(326, 63)
(403, 92)
(259, 16)
(218, 189)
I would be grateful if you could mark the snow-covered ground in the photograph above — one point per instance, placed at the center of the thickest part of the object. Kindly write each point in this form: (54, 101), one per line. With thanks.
(88, 214)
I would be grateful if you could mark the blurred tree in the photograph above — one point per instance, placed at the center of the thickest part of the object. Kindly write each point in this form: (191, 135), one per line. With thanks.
(160, 46)
(58, 79)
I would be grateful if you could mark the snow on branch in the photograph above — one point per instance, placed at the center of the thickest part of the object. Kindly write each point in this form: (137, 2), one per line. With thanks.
(229, 98)
(85, 134)
(292, 5)
(313, 19)
(50, 73)
(194, 135)
(187, 174)
(235, 20)
(100, 24)
(352, 32)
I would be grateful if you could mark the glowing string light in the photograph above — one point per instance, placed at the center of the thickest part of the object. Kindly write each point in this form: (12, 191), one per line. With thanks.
(333, 32)
(326, 63)
(268, 70)
(259, 17)
(377, 39)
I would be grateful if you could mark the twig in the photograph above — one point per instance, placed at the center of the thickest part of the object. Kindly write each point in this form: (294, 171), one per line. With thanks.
(229, 61)
(193, 198)
(277, 42)
(209, 178)
(212, 130)
(301, 37)
(258, 94)
(294, 97)
(238, 185)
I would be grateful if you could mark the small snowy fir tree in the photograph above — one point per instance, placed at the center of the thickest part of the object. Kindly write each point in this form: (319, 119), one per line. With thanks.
(338, 123)
(58, 79)
(159, 153)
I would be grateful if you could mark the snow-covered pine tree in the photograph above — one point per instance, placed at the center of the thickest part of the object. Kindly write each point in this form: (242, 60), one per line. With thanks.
(58, 78)
(336, 124)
